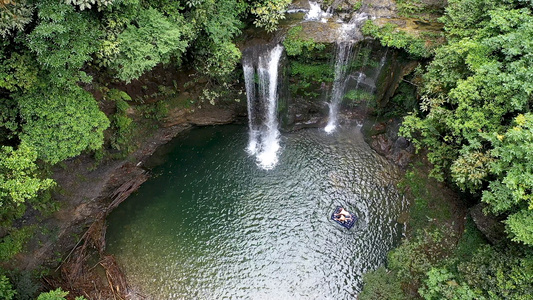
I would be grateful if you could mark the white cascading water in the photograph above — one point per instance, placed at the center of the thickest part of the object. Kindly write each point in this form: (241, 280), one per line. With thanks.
(316, 13)
(343, 56)
(249, 73)
(342, 59)
(262, 106)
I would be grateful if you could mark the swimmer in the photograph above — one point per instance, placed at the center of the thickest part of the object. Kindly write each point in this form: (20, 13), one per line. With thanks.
(344, 213)
(342, 218)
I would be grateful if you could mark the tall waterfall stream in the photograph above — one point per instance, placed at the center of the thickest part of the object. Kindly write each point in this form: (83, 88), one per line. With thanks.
(211, 224)
(343, 57)
(263, 62)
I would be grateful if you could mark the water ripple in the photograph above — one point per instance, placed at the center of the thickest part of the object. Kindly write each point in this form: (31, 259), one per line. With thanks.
(215, 226)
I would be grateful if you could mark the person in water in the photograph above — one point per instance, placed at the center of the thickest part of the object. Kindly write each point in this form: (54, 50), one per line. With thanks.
(342, 218)
(344, 213)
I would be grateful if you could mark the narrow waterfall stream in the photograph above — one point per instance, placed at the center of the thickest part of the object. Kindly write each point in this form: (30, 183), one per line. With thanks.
(343, 55)
(316, 13)
(343, 60)
(262, 103)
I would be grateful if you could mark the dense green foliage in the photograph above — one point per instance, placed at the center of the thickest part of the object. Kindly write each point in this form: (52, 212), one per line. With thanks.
(18, 178)
(148, 40)
(57, 294)
(390, 36)
(433, 264)
(489, 274)
(61, 123)
(306, 78)
(474, 117)
(269, 13)
(61, 42)
(381, 284)
(427, 10)
(6, 289)
(14, 16)
(59, 64)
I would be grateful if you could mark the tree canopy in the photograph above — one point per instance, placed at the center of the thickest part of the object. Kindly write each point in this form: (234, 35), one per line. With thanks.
(475, 118)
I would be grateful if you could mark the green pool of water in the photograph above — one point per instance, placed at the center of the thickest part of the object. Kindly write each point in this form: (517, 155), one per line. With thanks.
(211, 224)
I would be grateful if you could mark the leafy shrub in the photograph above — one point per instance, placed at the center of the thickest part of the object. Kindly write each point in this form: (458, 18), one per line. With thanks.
(307, 78)
(381, 284)
(358, 96)
(6, 289)
(500, 274)
(57, 294)
(441, 284)
(358, 4)
(14, 242)
(269, 13)
(61, 123)
(151, 40)
(295, 43)
(390, 36)
(19, 180)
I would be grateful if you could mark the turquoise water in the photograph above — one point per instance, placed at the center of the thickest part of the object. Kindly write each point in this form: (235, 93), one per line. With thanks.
(211, 224)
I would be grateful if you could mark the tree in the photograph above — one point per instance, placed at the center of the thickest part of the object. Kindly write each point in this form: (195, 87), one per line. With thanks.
(6, 289)
(215, 24)
(514, 165)
(63, 41)
(18, 179)
(14, 16)
(150, 39)
(269, 13)
(476, 85)
(61, 123)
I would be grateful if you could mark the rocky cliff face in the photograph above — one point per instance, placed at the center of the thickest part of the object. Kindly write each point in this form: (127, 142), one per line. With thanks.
(375, 70)
(383, 137)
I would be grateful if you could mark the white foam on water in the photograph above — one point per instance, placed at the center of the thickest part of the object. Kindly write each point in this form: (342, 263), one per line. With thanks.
(330, 128)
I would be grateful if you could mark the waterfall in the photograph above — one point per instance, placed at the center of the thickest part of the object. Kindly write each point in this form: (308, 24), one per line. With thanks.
(262, 65)
(342, 59)
(343, 56)
(249, 74)
(316, 13)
